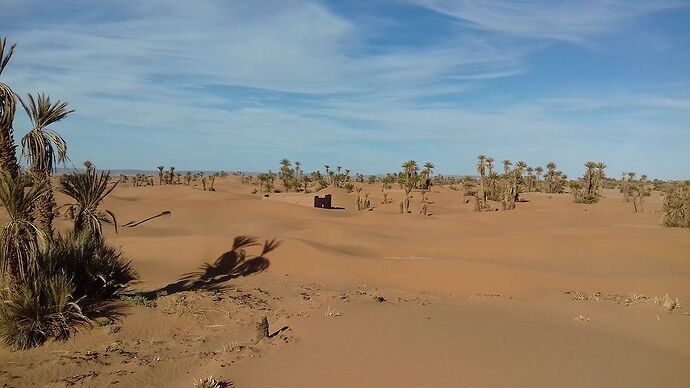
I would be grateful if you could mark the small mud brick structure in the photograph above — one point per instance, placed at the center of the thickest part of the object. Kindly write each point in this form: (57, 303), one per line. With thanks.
(324, 202)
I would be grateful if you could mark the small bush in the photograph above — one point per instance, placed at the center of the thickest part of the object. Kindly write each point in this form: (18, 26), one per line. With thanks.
(677, 207)
(138, 300)
(579, 196)
(38, 310)
(77, 273)
(588, 199)
(99, 271)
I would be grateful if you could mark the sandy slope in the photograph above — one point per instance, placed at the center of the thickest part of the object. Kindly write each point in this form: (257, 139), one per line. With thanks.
(470, 299)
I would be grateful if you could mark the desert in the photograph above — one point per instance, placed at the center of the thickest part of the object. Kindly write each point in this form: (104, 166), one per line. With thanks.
(552, 293)
(316, 193)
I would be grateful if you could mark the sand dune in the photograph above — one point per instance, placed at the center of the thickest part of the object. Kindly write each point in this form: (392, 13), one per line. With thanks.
(376, 298)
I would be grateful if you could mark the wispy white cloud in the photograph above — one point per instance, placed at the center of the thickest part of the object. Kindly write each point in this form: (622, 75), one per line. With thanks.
(571, 21)
(164, 76)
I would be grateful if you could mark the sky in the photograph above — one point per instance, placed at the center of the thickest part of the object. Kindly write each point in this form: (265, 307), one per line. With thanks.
(367, 85)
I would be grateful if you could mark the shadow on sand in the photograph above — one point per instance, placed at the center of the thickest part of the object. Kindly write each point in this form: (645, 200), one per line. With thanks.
(228, 266)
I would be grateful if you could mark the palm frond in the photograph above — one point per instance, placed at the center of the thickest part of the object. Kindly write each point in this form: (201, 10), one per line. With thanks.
(88, 189)
(5, 58)
(42, 146)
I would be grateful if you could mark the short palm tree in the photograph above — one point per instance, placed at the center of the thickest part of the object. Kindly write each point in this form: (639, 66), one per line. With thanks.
(43, 147)
(8, 105)
(88, 190)
(19, 238)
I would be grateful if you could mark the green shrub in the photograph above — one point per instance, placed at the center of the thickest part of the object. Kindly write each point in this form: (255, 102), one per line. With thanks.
(76, 274)
(138, 300)
(40, 309)
(588, 199)
(580, 196)
(99, 271)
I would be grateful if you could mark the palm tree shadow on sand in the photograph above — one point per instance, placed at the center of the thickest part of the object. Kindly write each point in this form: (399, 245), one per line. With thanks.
(230, 265)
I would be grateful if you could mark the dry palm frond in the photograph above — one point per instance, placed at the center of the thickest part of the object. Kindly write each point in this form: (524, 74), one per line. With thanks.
(89, 189)
(19, 238)
(42, 146)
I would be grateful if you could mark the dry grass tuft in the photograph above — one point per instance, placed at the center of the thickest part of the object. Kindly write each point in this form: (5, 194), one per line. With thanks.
(210, 382)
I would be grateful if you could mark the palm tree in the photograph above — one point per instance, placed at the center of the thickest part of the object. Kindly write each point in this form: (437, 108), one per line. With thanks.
(600, 175)
(298, 169)
(160, 174)
(88, 166)
(481, 194)
(328, 171)
(530, 178)
(19, 238)
(538, 170)
(551, 177)
(88, 190)
(8, 105)
(490, 164)
(428, 170)
(590, 177)
(481, 165)
(43, 147)
(520, 166)
(171, 175)
(506, 166)
(286, 173)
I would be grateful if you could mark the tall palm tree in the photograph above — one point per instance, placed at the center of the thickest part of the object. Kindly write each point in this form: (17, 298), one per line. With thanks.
(160, 174)
(538, 170)
(506, 166)
(600, 175)
(520, 166)
(88, 190)
(590, 177)
(428, 170)
(8, 105)
(530, 178)
(298, 169)
(481, 193)
(43, 147)
(481, 165)
(490, 164)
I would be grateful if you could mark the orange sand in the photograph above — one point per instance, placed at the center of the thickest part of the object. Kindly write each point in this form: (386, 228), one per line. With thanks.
(473, 300)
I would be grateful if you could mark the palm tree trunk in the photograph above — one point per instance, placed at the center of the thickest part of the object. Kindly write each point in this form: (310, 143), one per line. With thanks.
(44, 213)
(8, 155)
(45, 206)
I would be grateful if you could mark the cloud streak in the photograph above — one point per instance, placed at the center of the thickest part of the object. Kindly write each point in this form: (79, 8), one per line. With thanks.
(231, 85)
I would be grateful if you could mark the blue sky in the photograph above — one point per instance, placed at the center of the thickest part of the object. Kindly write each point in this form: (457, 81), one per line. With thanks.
(239, 85)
